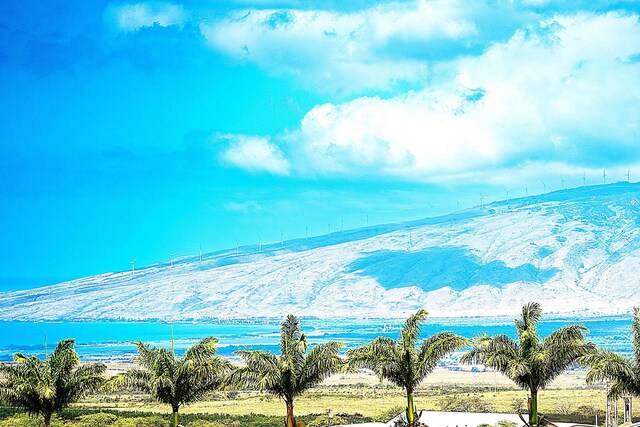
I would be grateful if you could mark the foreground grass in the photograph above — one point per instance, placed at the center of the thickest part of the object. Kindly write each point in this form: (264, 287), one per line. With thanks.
(95, 418)
(367, 400)
(364, 399)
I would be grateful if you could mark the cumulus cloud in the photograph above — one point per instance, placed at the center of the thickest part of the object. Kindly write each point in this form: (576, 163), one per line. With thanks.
(131, 17)
(554, 94)
(254, 154)
(347, 51)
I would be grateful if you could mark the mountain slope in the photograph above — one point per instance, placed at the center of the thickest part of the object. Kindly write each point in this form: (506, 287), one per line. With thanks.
(576, 251)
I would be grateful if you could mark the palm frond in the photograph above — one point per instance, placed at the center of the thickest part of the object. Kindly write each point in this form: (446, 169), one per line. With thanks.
(411, 329)
(436, 347)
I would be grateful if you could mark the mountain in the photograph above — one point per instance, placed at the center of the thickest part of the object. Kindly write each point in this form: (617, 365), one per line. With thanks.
(576, 251)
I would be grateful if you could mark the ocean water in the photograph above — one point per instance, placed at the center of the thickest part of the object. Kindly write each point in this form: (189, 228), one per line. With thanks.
(112, 341)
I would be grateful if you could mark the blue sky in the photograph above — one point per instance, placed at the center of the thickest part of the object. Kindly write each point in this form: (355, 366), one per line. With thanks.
(136, 129)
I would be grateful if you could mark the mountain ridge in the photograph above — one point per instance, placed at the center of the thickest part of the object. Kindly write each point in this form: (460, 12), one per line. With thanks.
(577, 251)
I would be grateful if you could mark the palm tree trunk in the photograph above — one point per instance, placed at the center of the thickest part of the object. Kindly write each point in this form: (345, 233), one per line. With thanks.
(174, 417)
(290, 420)
(47, 419)
(533, 410)
(410, 408)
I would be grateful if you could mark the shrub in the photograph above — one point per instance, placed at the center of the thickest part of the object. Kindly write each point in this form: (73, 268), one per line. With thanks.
(24, 420)
(203, 423)
(468, 403)
(140, 422)
(517, 405)
(586, 410)
(506, 424)
(96, 420)
(389, 414)
(323, 421)
(564, 408)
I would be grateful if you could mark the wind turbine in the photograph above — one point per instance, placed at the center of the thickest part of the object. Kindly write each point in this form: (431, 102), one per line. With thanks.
(507, 194)
(341, 225)
(604, 176)
(481, 201)
(628, 175)
(544, 187)
(584, 179)
(329, 229)
(200, 253)
(259, 243)
(281, 237)
(171, 255)
(526, 191)
(457, 206)
(133, 264)
(237, 247)
(562, 178)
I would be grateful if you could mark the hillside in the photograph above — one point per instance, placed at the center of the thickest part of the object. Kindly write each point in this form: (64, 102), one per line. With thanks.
(577, 251)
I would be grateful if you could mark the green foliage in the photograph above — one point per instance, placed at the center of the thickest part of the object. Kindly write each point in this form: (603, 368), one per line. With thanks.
(506, 424)
(623, 373)
(518, 405)
(24, 421)
(42, 387)
(323, 421)
(203, 423)
(291, 373)
(100, 419)
(140, 422)
(401, 361)
(176, 381)
(468, 403)
(389, 414)
(75, 418)
(530, 361)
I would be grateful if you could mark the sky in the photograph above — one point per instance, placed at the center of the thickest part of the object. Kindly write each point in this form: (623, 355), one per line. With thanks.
(146, 129)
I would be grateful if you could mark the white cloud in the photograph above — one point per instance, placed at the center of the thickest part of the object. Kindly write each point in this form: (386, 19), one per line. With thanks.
(344, 51)
(132, 17)
(554, 95)
(255, 154)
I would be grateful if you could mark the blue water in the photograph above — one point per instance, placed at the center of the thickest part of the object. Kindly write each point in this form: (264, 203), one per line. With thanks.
(112, 340)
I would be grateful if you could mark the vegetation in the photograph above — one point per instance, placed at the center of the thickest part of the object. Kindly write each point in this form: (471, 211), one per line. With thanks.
(38, 391)
(623, 373)
(176, 381)
(402, 362)
(531, 362)
(43, 387)
(292, 372)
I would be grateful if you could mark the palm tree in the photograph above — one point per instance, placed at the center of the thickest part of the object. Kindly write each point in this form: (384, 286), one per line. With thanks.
(401, 361)
(623, 373)
(531, 362)
(42, 387)
(176, 381)
(291, 373)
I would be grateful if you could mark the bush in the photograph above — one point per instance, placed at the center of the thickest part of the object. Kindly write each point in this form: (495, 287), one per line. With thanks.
(506, 424)
(96, 420)
(517, 405)
(140, 422)
(203, 423)
(24, 420)
(389, 414)
(323, 421)
(468, 403)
